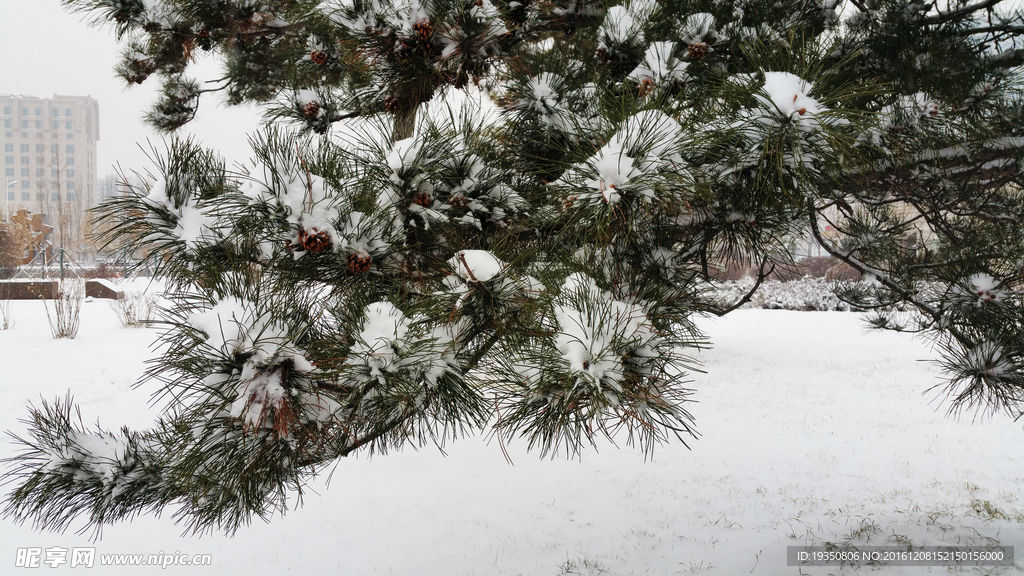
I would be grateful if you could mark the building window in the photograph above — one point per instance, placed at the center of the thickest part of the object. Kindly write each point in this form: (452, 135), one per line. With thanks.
(71, 186)
(55, 112)
(39, 124)
(24, 147)
(39, 160)
(8, 147)
(69, 112)
(53, 135)
(53, 148)
(67, 125)
(26, 196)
(24, 172)
(24, 123)
(10, 195)
(9, 134)
(71, 196)
(24, 183)
(24, 111)
(39, 111)
(54, 172)
(70, 148)
(39, 196)
(39, 148)
(24, 159)
(7, 124)
(70, 173)
(39, 172)
(39, 135)
(7, 110)
(71, 136)
(55, 196)
(8, 171)
(71, 160)
(24, 134)
(8, 159)
(55, 126)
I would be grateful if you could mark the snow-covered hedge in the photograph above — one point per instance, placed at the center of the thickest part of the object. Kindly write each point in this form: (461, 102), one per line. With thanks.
(804, 294)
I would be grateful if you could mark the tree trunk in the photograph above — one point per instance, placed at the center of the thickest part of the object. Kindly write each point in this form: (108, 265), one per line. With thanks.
(405, 125)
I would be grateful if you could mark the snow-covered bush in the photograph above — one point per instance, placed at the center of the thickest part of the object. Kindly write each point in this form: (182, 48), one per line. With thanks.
(803, 294)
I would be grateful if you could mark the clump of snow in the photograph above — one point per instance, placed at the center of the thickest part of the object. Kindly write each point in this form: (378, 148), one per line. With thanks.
(304, 98)
(361, 235)
(194, 223)
(548, 98)
(624, 25)
(234, 328)
(659, 67)
(699, 27)
(290, 190)
(383, 329)
(261, 391)
(635, 159)
(986, 287)
(543, 96)
(614, 170)
(908, 111)
(975, 291)
(619, 27)
(596, 332)
(196, 227)
(788, 94)
(476, 265)
(390, 342)
(989, 360)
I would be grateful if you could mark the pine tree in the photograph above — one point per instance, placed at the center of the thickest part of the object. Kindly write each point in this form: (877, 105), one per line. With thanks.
(400, 267)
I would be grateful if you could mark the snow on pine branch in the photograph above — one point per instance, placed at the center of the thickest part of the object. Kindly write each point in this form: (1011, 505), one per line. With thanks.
(638, 158)
(391, 347)
(600, 337)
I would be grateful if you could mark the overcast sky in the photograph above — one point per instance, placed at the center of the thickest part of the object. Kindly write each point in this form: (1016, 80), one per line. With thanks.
(46, 50)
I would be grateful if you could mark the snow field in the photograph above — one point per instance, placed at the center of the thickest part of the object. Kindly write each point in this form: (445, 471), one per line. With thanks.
(813, 431)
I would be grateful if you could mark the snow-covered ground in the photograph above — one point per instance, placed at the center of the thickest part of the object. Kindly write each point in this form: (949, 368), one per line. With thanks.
(813, 431)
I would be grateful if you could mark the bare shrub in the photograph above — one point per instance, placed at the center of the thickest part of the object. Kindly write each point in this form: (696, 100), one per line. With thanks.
(6, 320)
(67, 308)
(104, 270)
(841, 271)
(135, 309)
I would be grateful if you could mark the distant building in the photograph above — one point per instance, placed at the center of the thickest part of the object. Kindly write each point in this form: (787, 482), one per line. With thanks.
(49, 153)
(107, 188)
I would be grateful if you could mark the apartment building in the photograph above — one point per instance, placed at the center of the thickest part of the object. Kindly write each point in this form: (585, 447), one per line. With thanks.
(49, 156)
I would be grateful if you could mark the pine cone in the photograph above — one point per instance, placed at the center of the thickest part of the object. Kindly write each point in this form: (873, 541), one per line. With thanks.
(424, 29)
(697, 50)
(359, 263)
(391, 105)
(314, 240)
(318, 57)
(311, 110)
(423, 199)
(646, 87)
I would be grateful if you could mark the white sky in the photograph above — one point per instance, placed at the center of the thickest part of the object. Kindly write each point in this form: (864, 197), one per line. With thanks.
(46, 50)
